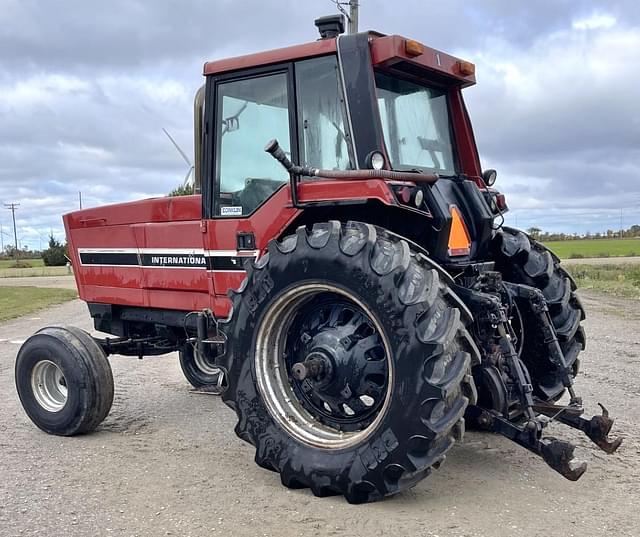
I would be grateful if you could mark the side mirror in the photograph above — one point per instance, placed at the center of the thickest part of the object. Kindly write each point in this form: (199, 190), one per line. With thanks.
(489, 177)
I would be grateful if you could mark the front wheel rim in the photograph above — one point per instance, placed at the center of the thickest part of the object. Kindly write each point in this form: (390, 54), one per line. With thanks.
(274, 378)
(203, 365)
(49, 386)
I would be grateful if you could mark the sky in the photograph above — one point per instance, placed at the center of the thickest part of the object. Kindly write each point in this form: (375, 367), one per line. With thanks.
(87, 87)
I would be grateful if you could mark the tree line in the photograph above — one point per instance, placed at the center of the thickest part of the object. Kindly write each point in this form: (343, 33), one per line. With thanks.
(631, 233)
(54, 256)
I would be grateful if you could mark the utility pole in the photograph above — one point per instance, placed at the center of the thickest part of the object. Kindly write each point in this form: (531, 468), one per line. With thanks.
(1, 240)
(353, 16)
(620, 222)
(12, 207)
(80, 199)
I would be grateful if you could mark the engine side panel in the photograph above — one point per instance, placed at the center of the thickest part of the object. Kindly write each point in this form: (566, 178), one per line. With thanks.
(146, 253)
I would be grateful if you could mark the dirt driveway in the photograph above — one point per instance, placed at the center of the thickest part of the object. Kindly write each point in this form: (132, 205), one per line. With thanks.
(166, 462)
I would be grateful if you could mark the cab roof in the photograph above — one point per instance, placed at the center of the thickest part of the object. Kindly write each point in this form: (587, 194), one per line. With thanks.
(391, 52)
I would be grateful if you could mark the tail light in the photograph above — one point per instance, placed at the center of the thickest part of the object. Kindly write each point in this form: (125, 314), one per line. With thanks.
(496, 201)
(409, 195)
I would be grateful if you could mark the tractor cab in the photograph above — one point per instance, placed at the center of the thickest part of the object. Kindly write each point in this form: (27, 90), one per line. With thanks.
(346, 103)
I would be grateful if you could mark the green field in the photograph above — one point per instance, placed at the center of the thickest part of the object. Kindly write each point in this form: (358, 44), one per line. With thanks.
(17, 301)
(579, 248)
(33, 271)
(10, 263)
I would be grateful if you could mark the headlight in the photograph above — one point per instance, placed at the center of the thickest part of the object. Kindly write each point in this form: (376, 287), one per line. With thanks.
(376, 160)
(489, 177)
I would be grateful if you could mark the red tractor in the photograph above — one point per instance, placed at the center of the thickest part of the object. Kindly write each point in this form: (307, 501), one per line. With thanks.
(350, 289)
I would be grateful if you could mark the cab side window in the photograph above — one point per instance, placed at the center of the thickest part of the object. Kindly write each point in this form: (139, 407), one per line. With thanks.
(322, 121)
(249, 113)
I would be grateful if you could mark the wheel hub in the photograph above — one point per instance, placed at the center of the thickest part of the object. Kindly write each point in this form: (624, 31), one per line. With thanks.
(49, 386)
(343, 379)
(316, 367)
(326, 408)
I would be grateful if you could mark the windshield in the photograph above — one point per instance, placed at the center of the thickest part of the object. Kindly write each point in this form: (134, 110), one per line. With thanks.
(415, 123)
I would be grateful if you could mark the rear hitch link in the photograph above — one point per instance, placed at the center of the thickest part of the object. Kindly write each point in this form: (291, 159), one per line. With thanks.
(597, 428)
(526, 430)
(558, 454)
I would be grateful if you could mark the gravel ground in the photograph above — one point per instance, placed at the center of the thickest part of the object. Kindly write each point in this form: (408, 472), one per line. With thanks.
(166, 462)
(602, 261)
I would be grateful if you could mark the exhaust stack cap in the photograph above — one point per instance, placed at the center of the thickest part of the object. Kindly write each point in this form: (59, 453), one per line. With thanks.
(330, 26)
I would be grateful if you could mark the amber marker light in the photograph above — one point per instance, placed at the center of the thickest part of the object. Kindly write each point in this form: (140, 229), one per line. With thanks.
(466, 68)
(413, 48)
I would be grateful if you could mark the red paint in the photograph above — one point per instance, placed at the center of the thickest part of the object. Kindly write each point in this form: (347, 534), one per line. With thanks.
(307, 50)
(464, 138)
(176, 223)
(386, 51)
(389, 50)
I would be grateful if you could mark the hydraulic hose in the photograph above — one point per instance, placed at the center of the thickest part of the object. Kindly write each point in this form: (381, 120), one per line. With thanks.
(274, 149)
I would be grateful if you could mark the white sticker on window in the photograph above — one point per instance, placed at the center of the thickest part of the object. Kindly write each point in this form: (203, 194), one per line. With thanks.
(231, 211)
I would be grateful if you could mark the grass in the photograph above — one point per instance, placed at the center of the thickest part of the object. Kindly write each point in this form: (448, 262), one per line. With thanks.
(580, 248)
(18, 301)
(617, 280)
(33, 271)
(11, 263)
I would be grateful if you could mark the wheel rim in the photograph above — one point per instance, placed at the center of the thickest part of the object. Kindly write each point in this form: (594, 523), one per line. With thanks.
(204, 365)
(341, 392)
(49, 386)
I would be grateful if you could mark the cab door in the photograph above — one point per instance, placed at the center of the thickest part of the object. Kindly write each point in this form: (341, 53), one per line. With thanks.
(248, 109)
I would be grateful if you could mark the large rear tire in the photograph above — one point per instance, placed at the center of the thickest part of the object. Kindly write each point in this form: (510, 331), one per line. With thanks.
(64, 381)
(523, 260)
(390, 355)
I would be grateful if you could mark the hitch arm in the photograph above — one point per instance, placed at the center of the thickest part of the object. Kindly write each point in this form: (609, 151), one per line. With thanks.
(597, 428)
(558, 454)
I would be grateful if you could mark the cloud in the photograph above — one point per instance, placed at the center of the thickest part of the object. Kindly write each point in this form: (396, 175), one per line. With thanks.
(86, 88)
(560, 120)
(594, 21)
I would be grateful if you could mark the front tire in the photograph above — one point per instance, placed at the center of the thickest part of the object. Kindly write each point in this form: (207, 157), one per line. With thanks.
(200, 371)
(360, 301)
(64, 381)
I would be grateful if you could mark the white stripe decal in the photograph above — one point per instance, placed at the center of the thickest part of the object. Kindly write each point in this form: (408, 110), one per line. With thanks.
(172, 251)
(167, 258)
(107, 250)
